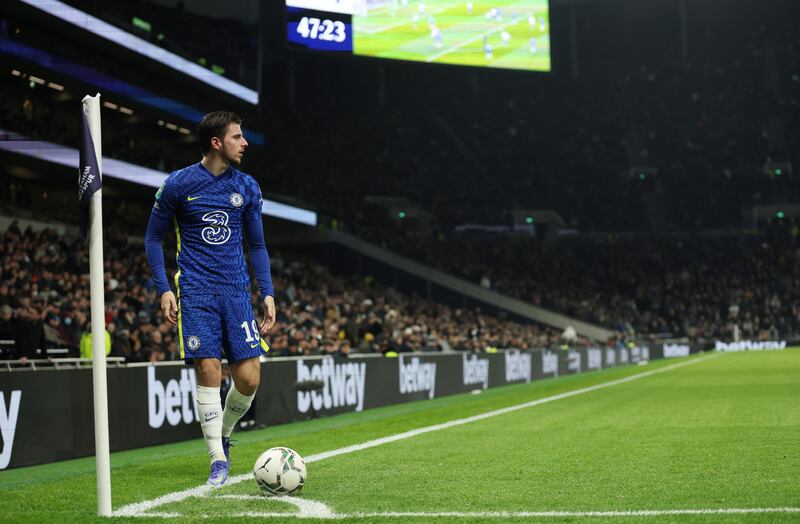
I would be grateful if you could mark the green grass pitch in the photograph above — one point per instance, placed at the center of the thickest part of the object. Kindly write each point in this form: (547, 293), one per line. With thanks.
(404, 32)
(712, 432)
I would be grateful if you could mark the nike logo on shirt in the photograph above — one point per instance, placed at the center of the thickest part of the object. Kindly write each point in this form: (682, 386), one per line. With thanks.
(190, 198)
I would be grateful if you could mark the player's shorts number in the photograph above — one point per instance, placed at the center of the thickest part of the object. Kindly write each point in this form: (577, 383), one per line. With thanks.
(251, 337)
(218, 232)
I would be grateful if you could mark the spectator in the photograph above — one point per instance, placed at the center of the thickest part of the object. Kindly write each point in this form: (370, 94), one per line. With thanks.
(30, 342)
(86, 343)
(8, 330)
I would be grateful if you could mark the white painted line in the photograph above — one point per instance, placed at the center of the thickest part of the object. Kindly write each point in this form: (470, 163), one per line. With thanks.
(138, 508)
(306, 508)
(531, 514)
(244, 497)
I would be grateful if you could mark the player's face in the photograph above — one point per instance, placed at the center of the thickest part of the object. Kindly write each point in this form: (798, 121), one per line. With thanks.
(233, 144)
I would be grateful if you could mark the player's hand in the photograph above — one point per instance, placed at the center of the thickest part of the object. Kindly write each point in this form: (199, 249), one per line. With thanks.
(269, 316)
(169, 306)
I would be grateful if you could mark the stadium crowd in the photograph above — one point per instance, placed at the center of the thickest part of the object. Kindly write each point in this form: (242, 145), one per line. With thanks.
(679, 286)
(44, 296)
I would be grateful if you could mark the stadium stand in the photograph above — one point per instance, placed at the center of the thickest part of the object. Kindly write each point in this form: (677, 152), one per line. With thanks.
(319, 313)
(680, 286)
(235, 48)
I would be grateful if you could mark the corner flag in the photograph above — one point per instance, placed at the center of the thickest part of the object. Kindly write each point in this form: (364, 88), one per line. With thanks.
(89, 179)
(90, 193)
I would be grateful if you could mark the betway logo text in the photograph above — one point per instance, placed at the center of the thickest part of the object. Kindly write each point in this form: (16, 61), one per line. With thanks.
(574, 361)
(640, 354)
(343, 385)
(417, 376)
(173, 401)
(676, 350)
(518, 366)
(749, 345)
(594, 358)
(549, 363)
(476, 371)
(8, 424)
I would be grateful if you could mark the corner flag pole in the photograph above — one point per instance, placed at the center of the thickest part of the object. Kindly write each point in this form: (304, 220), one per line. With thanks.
(90, 193)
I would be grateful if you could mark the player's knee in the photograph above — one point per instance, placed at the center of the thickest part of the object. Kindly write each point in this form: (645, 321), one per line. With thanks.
(247, 385)
(208, 372)
(246, 376)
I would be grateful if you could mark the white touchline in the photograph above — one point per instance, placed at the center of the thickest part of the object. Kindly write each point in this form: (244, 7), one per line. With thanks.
(523, 514)
(138, 508)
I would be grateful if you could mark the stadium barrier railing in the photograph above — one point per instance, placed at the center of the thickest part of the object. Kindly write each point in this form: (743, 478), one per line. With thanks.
(55, 363)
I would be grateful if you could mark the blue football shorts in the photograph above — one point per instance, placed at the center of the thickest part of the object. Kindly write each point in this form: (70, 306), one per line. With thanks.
(218, 326)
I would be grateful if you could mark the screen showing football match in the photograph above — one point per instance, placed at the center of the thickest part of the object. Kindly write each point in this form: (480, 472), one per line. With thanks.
(508, 34)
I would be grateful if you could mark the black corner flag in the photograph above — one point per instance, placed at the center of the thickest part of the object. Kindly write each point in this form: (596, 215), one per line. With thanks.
(89, 179)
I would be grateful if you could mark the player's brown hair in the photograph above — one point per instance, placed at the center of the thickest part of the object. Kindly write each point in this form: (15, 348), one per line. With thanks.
(215, 125)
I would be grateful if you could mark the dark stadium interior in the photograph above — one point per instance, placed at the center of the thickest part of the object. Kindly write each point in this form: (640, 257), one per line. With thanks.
(645, 186)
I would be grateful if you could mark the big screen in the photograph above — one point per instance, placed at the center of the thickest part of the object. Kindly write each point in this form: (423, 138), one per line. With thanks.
(510, 34)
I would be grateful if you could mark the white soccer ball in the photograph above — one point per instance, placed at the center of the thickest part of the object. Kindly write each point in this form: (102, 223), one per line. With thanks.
(280, 471)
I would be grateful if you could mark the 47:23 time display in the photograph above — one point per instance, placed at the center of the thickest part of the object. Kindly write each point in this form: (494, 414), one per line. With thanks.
(320, 29)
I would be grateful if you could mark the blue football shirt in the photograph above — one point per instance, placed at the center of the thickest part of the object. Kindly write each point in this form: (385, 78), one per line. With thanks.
(209, 213)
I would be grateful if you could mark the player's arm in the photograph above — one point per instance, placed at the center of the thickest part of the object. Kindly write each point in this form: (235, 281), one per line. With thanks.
(260, 260)
(160, 218)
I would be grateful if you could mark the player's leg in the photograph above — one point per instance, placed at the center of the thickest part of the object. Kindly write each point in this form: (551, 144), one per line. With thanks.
(209, 404)
(199, 327)
(246, 375)
(243, 347)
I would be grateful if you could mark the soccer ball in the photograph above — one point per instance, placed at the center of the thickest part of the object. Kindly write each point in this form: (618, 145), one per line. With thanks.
(280, 471)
